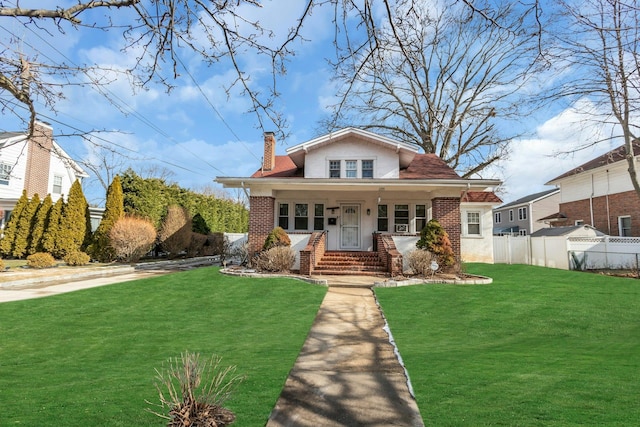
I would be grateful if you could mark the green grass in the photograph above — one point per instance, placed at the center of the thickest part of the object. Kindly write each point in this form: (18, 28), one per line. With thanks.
(87, 358)
(538, 347)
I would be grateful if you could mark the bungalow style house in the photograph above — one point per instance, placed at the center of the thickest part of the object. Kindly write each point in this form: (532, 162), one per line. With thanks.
(38, 165)
(600, 193)
(523, 216)
(353, 193)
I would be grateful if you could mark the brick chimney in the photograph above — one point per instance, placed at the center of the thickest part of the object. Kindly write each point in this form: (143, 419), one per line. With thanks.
(39, 160)
(269, 161)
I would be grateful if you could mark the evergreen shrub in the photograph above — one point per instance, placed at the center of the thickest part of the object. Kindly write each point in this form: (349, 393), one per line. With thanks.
(41, 260)
(77, 258)
(435, 239)
(277, 237)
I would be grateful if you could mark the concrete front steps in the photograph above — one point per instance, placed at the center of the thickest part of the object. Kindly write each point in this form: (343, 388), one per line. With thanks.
(350, 263)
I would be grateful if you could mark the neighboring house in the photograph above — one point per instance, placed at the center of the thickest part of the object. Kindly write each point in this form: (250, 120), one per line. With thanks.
(523, 216)
(357, 191)
(38, 165)
(600, 193)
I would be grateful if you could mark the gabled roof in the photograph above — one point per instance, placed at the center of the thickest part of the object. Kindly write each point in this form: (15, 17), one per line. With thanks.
(8, 135)
(563, 231)
(284, 168)
(480, 197)
(406, 151)
(616, 155)
(531, 198)
(428, 166)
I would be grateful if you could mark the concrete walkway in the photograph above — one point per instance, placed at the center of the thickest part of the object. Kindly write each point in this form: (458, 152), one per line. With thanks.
(347, 373)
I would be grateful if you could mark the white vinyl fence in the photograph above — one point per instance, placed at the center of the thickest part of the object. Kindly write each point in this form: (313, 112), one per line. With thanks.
(575, 253)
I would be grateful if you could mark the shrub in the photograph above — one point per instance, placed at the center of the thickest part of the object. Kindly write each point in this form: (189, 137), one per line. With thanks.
(197, 244)
(75, 222)
(278, 259)
(175, 234)
(419, 261)
(194, 391)
(132, 237)
(215, 241)
(76, 258)
(2, 266)
(277, 237)
(435, 239)
(100, 247)
(41, 260)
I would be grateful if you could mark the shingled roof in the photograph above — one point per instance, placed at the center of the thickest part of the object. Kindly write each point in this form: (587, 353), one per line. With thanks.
(428, 166)
(613, 156)
(285, 168)
(480, 197)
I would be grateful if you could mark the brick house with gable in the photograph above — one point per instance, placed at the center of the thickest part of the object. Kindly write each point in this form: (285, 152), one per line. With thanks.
(38, 165)
(353, 193)
(600, 193)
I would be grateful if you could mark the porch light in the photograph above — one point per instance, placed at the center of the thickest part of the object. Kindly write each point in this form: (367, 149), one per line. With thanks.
(368, 212)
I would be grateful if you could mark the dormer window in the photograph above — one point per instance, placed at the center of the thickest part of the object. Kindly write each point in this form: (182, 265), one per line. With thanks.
(367, 168)
(334, 169)
(351, 168)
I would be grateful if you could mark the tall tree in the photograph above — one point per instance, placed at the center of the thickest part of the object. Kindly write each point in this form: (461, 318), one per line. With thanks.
(10, 229)
(24, 229)
(114, 210)
(443, 76)
(50, 237)
(596, 45)
(73, 222)
(40, 224)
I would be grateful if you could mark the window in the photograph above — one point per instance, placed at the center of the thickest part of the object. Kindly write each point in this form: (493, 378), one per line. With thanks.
(57, 184)
(624, 226)
(301, 220)
(522, 232)
(351, 168)
(367, 168)
(283, 216)
(522, 214)
(510, 215)
(5, 173)
(473, 223)
(334, 169)
(383, 219)
(421, 217)
(497, 217)
(579, 222)
(318, 217)
(401, 218)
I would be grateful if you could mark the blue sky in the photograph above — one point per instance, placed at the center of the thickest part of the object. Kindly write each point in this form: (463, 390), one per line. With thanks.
(198, 133)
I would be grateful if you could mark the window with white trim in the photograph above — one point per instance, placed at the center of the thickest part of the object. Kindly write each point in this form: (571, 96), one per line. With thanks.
(5, 173)
(334, 169)
(367, 168)
(522, 214)
(421, 217)
(318, 217)
(383, 218)
(401, 218)
(578, 222)
(351, 168)
(301, 220)
(624, 226)
(283, 216)
(57, 184)
(473, 223)
(510, 215)
(497, 217)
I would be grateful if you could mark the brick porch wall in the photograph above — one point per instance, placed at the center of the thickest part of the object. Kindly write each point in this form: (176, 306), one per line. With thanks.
(314, 251)
(38, 161)
(620, 204)
(261, 214)
(447, 211)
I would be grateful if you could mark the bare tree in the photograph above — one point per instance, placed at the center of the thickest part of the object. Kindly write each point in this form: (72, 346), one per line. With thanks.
(156, 30)
(441, 75)
(596, 46)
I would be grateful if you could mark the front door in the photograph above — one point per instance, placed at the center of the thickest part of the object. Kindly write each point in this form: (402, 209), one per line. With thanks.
(350, 227)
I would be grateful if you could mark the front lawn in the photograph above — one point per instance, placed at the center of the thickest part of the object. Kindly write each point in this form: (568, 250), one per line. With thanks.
(538, 347)
(87, 358)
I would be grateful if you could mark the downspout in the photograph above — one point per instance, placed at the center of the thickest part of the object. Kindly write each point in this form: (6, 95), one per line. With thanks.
(591, 202)
(531, 217)
(607, 201)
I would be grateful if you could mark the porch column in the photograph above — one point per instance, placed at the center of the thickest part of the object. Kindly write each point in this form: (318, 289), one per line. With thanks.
(261, 211)
(447, 211)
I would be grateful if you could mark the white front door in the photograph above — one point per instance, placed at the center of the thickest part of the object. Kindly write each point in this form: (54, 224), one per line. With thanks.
(350, 227)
